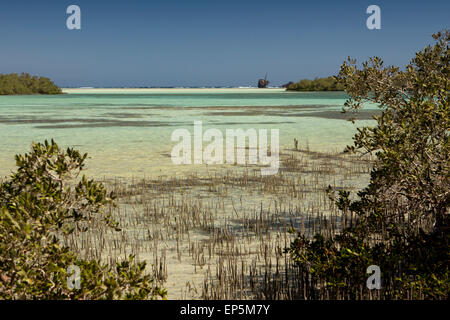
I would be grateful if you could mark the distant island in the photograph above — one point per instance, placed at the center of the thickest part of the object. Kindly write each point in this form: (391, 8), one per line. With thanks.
(14, 84)
(318, 84)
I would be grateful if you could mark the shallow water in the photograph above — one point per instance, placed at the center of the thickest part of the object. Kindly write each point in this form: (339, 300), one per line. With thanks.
(127, 132)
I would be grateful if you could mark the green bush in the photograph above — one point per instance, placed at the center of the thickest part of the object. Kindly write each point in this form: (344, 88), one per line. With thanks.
(39, 203)
(11, 84)
(401, 220)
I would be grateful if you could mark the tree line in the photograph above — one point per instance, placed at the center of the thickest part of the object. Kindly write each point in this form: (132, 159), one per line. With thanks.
(12, 84)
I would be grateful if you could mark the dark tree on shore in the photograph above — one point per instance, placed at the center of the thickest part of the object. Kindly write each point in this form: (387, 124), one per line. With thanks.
(400, 221)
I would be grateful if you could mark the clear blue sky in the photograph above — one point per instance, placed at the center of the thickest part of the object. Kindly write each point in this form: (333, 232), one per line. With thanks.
(207, 43)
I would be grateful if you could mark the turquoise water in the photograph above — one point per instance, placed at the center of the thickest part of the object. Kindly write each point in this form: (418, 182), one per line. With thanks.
(128, 133)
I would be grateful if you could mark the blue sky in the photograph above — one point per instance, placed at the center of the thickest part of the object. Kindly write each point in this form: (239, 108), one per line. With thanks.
(207, 43)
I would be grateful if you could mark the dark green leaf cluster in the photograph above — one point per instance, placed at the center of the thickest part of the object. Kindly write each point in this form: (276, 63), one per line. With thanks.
(43, 201)
(11, 84)
(318, 84)
(402, 217)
